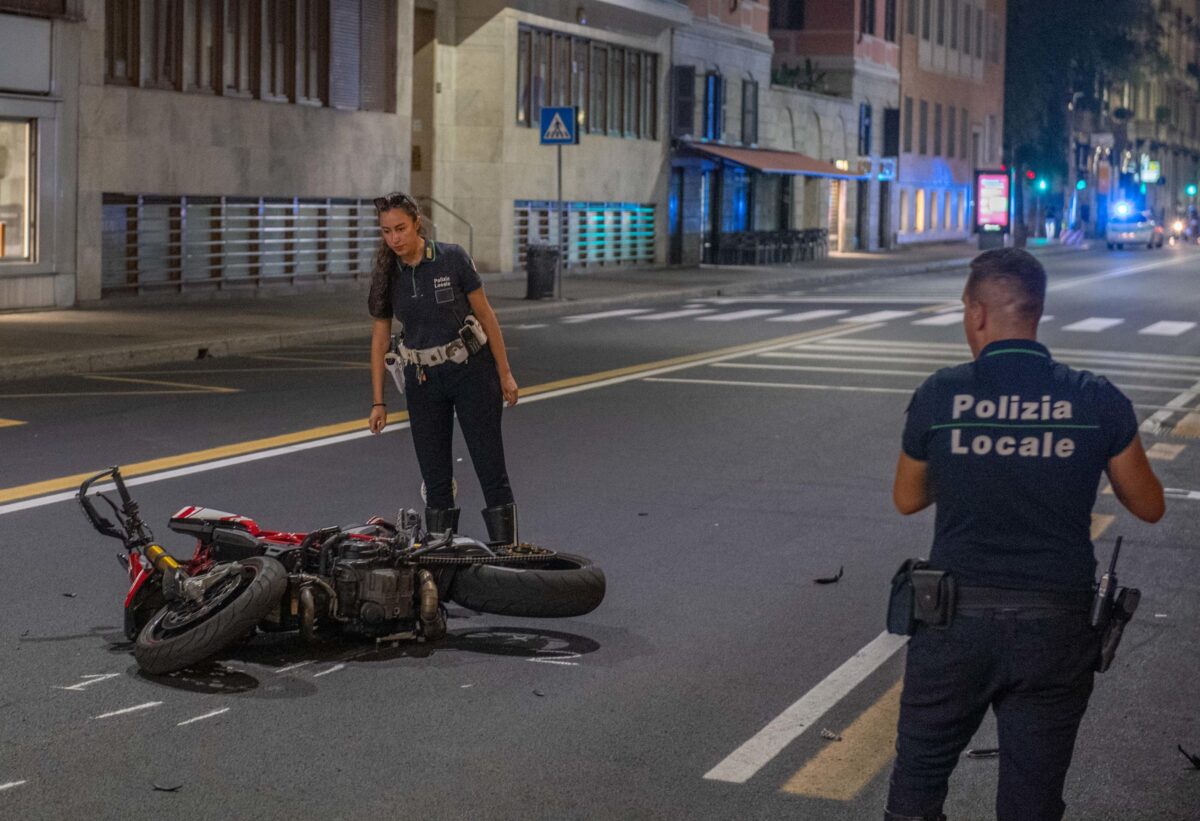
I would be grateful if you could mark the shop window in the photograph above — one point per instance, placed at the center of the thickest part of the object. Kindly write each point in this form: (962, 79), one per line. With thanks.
(16, 190)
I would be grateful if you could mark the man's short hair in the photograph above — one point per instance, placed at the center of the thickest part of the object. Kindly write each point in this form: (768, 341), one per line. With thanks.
(1015, 271)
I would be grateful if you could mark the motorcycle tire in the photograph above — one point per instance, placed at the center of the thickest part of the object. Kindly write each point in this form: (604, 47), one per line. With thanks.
(560, 587)
(184, 633)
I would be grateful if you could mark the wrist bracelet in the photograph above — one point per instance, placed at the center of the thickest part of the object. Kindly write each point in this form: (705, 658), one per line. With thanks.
(380, 405)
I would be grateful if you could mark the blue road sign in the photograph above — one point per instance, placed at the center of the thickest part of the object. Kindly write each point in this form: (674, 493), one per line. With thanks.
(558, 126)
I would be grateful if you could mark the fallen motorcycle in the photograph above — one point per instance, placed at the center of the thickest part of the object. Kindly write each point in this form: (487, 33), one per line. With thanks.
(384, 580)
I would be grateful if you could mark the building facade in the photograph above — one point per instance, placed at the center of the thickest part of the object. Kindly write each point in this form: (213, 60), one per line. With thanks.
(951, 112)
(850, 50)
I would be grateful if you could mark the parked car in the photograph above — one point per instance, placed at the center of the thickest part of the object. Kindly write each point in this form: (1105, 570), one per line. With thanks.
(1127, 226)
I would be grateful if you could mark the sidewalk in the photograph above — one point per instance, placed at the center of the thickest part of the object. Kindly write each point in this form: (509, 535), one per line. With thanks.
(126, 333)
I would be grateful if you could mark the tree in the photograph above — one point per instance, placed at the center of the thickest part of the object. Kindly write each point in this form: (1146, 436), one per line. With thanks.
(1060, 51)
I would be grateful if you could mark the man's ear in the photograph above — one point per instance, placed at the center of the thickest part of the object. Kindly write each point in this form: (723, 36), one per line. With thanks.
(976, 315)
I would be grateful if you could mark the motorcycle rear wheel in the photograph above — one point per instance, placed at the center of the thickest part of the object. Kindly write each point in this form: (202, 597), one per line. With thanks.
(560, 587)
(185, 632)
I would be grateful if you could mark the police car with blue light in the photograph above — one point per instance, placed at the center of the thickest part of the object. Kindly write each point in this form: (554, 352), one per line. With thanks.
(1127, 225)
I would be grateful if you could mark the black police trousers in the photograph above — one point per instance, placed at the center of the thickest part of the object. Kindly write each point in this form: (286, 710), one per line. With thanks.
(1033, 668)
(470, 390)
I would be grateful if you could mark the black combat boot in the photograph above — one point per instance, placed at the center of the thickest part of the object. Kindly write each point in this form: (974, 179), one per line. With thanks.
(501, 523)
(441, 519)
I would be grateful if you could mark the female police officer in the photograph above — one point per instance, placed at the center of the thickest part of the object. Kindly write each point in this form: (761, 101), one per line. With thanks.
(450, 367)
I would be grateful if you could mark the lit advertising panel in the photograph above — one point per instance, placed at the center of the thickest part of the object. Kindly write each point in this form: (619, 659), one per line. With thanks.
(991, 198)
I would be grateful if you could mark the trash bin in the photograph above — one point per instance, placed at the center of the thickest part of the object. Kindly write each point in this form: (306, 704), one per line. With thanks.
(540, 263)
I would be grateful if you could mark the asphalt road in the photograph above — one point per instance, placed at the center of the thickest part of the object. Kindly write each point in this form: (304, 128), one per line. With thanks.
(715, 457)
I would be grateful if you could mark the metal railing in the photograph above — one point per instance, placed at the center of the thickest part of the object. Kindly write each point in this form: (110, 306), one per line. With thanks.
(594, 234)
(453, 213)
(155, 244)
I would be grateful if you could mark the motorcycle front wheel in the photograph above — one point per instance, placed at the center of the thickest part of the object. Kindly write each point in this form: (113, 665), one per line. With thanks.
(186, 632)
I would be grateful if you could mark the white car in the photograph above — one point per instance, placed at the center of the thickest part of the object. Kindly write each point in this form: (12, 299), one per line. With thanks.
(1127, 226)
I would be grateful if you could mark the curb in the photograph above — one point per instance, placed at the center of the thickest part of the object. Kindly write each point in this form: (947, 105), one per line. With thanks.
(40, 365)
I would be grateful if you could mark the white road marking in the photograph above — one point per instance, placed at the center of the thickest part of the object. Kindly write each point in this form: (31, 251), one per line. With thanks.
(560, 657)
(1179, 493)
(674, 314)
(1119, 272)
(206, 715)
(960, 347)
(531, 327)
(819, 369)
(952, 318)
(752, 756)
(1180, 403)
(95, 678)
(295, 666)
(877, 316)
(1093, 324)
(556, 661)
(734, 316)
(1165, 328)
(203, 467)
(148, 705)
(9, 785)
(605, 314)
(796, 385)
(805, 316)
(332, 669)
(882, 299)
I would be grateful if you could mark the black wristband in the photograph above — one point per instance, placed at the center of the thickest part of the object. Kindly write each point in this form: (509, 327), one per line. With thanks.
(380, 405)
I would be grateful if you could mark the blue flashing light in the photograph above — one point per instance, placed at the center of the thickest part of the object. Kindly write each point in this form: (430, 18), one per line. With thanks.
(1143, 188)
(1122, 209)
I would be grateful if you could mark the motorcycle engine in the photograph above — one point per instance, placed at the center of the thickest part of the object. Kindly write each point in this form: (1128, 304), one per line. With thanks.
(372, 592)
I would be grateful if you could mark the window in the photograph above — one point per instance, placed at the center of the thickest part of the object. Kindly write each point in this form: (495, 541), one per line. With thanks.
(951, 131)
(539, 95)
(978, 34)
(276, 24)
(866, 17)
(121, 42)
(941, 22)
(962, 146)
(891, 132)
(579, 75)
(312, 42)
(966, 30)
(16, 190)
(714, 106)
(995, 21)
(598, 85)
(560, 73)
(649, 119)
(953, 23)
(787, 14)
(910, 24)
(925, 17)
(236, 51)
(524, 47)
(923, 133)
(202, 24)
(889, 20)
(616, 91)
(750, 112)
(864, 129)
(163, 21)
(908, 125)
(633, 87)
(683, 101)
(937, 129)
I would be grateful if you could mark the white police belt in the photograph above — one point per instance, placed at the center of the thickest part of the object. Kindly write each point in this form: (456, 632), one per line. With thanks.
(453, 351)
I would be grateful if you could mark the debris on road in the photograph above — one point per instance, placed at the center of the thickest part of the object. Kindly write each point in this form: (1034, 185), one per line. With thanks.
(70, 595)
(830, 735)
(164, 788)
(538, 693)
(830, 579)
(984, 752)
(1195, 759)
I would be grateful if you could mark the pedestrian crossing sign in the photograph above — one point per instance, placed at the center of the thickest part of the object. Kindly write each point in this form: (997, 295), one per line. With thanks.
(559, 126)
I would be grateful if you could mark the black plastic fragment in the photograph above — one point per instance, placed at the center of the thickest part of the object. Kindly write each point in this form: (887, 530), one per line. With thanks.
(1195, 759)
(165, 788)
(830, 579)
(984, 752)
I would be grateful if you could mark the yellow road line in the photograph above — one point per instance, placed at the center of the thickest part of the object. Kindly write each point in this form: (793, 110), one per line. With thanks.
(62, 483)
(1164, 451)
(10, 423)
(188, 385)
(1188, 426)
(841, 770)
(313, 359)
(1100, 523)
(63, 394)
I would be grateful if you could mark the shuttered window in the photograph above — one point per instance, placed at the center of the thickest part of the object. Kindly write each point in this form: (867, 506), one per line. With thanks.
(377, 66)
(683, 101)
(121, 42)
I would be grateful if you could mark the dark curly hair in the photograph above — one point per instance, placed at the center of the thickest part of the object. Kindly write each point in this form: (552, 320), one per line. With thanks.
(385, 258)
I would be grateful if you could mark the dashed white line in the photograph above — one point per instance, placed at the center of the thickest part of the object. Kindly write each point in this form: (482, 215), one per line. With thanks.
(951, 318)
(805, 316)
(673, 314)
(556, 661)
(1167, 328)
(605, 315)
(332, 669)
(878, 316)
(793, 385)
(295, 666)
(1180, 493)
(148, 705)
(733, 316)
(213, 714)
(9, 785)
(1093, 324)
(94, 678)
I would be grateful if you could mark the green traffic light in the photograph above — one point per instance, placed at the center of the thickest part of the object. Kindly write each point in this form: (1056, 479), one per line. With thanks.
(1081, 185)
(1191, 189)
(1043, 184)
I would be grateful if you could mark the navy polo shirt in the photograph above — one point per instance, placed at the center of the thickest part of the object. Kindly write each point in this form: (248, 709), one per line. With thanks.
(1015, 444)
(429, 298)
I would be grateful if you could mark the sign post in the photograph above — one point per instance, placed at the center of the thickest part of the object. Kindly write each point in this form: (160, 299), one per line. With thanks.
(559, 126)
(992, 194)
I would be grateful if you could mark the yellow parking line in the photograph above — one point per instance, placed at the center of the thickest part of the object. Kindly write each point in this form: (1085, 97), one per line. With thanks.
(841, 770)
(187, 385)
(1164, 451)
(237, 449)
(10, 423)
(1100, 523)
(1188, 426)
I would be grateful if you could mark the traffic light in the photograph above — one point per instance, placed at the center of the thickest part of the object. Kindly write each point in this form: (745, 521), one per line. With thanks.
(1191, 189)
(1030, 175)
(1081, 185)
(1042, 184)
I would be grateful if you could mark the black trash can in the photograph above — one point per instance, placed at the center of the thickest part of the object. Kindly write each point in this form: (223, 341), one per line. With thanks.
(540, 263)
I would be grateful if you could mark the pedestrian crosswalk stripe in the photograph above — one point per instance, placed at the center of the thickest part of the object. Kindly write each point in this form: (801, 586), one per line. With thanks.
(805, 316)
(877, 316)
(675, 314)
(1093, 324)
(736, 315)
(605, 314)
(941, 319)
(1167, 328)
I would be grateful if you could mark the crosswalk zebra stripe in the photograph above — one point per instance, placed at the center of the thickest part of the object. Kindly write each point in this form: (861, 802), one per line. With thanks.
(805, 316)
(877, 316)
(605, 314)
(1167, 328)
(674, 314)
(1093, 324)
(736, 315)
(941, 319)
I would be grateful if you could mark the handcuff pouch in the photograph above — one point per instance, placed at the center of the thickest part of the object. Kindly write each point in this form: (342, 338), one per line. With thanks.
(920, 594)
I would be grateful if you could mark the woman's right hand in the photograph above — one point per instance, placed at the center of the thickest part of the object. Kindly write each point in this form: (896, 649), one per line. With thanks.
(378, 420)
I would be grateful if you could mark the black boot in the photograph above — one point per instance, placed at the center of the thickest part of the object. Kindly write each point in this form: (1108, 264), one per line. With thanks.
(441, 519)
(501, 523)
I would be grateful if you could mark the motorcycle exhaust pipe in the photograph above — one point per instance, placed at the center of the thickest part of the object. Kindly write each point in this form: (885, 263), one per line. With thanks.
(307, 606)
(428, 611)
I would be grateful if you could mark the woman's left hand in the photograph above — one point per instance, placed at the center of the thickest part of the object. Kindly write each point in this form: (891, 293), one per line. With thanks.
(508, 387)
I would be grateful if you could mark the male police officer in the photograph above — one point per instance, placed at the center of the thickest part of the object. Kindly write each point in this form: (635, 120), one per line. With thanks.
(1010, 447)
